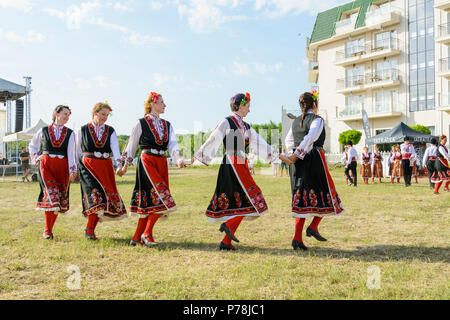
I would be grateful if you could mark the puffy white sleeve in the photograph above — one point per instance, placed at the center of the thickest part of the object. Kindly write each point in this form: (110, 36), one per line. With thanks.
(114, 144)
(362, 158)
(307, 143)
(444, 153)
(71, 159)
(425, 157)
(289, 142)
(35, 146)
(78, 151)
(209, 149)
(261, 147)
(174, 150)
(132, 143)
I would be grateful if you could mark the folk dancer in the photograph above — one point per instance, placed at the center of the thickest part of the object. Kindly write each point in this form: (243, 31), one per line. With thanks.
(442, 172)
(377, 165)
(236, 196)
(396, 160)
(429, 159)
(366, 164)
(56, 166)
(351, 164)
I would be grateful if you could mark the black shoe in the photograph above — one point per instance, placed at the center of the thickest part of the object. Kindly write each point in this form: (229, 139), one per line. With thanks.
(89, 236)
(226, 247)
(223, 227)
(296, 245)
(310, 232)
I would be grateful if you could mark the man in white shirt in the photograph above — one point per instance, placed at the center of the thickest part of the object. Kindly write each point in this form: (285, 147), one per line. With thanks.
(408, 158)
(429, 158)
(351, 164)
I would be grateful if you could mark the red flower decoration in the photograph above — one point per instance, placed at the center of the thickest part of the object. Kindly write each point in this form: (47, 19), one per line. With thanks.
(154, 96)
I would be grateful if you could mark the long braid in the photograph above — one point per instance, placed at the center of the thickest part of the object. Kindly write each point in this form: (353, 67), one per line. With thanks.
(306, 102)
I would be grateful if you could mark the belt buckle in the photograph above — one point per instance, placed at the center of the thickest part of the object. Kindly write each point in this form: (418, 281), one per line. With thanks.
(97, 154)
(106, 155)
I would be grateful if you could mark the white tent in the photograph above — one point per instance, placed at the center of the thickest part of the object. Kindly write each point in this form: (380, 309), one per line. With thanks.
(26, 134)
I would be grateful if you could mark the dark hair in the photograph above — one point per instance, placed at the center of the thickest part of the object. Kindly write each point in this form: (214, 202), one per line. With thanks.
(58, 109)
(349, 143)
(406, 138)
(235, 101)
(434, 141)
(306, 102)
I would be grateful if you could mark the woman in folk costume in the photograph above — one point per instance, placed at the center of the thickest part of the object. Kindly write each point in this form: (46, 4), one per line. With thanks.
(442, 172)
(377, 166)
(390, 162)
(236, 196)
(56, 166)
(96, 142)
(313, 190)
(429, 159)
(366, 164)
(396, 159)
(415, 169)
(151, 197)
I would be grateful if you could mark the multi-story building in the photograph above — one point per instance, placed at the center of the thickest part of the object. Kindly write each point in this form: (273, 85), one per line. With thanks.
(389, 58)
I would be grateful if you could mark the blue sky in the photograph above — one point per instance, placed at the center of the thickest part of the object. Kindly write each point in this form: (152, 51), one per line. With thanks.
(196, 53)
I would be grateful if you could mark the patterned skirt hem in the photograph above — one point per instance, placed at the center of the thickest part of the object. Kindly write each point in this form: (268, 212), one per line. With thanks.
(57, 209)
(247, 216)
(316, 214)
(135, 212)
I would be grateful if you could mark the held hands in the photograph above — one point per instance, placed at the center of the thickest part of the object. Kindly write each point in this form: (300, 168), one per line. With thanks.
(73, 177)
(120, 171)
(288, 159)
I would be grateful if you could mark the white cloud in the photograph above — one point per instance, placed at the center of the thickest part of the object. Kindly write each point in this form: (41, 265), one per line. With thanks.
(156, 5)
(279, 8)
(123, 7)
(258, 68)
(24, 5)
(94, 82)
(135, 38)
(32, 36)
(164, 79)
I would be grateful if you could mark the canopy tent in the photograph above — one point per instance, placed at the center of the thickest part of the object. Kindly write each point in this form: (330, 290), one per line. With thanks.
(397, 135)
(10, 90)
(26, 134)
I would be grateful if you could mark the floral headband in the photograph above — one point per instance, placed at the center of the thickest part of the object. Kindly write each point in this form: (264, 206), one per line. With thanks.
(245, 99)
(315, 94)
(110, 109)
(154, 96)
(442, 137)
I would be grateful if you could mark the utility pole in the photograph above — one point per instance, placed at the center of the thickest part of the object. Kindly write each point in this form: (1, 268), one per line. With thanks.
(27, 102)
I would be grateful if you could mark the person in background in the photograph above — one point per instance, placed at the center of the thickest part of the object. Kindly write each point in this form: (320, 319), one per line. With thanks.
(284, 166)
(377, 165)
(351, 164)
(24, 158)
(396, 160)
(366, 164)
(429, 159)
(408, 159)
(442, 172)
(390, 163)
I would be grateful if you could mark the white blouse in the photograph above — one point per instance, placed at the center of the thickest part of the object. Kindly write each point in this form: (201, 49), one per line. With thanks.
(113, 143)
(35, 146)
(133, 142)
(370, 157)
(429, 152)
(443, 152)
(209, 149)
(307, 143)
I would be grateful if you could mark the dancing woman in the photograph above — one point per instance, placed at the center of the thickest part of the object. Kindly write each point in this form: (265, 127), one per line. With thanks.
(236, 196)
(366, 164)
(313, 190)
(442, 168)
(396, 160)
(56, 165)
(151, 197)
(377, 166)
(96, 143)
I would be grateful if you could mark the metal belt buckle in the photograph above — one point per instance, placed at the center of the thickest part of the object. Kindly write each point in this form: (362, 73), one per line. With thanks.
(106, 155)
(97, 154)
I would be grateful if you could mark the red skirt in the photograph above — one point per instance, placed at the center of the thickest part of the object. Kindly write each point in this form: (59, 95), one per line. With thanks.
(98, 189)
(377, 169)
(366, 171)
(53, 176)
(442, 172)
(151, 193)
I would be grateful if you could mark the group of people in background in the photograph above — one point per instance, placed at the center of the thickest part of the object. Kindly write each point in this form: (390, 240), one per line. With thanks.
(403, 161)
(93, 157)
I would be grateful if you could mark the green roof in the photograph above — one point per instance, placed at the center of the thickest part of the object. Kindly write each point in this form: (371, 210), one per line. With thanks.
(325, 24)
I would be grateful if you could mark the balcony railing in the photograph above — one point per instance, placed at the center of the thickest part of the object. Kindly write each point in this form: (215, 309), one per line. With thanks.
(443, 30)
(368, 79)
(360, 51)
(443, 65)
(383, 10)
(377, 109)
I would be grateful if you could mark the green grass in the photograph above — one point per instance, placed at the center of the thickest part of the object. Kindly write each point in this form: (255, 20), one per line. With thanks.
(402, 231)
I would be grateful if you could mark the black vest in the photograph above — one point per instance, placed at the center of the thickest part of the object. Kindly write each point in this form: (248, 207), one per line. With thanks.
(438, 154)
(51, 145)
(90, 143)
(150, 139)
(239, 143)
(300, 132)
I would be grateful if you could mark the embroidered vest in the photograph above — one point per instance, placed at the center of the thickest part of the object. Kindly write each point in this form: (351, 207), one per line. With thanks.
(150, 138)
(440, 155)
(51, 145)
(90, 142)
(238, 142)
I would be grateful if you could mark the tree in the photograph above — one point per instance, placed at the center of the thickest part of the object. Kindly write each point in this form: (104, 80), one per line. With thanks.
(421, 128)
(353, 135)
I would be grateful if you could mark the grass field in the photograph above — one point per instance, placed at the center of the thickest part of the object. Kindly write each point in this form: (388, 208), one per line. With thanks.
(401, 232)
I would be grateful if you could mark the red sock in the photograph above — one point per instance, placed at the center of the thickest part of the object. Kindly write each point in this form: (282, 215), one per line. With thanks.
(315, 223)
(416, 180)
(53, 220)
(398, 180)
(48, 221)
(142, 223)
(232, 224)
(92, 218)
(150, 223)
(438, 185)
(299, 222)
(373, 179)
(446, 185)
(392, 180)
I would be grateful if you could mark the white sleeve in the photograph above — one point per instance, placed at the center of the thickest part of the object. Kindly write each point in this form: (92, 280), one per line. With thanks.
(289, 141)
(444, 153)
(174, 150)
(425, 157)
(35, 146)
(209, 149)
(362, 158)
(307, 143)
(343, 158)
(132, 143)
(114, 144)
(78, 151)
(71, 154)
(261, 147)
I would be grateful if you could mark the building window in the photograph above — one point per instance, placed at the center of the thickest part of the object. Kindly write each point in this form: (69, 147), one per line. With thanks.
(354, 47)
(421, 55)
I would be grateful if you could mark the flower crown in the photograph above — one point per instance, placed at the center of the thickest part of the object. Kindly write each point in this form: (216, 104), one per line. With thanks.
(315, 94)
(154, 96)
(442, 137)
(107, 104)
(246, 99)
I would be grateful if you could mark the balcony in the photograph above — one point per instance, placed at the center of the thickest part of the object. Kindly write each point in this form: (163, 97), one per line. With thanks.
(384, 16)
(382, 49)
(444, 103)
(345, 26)
(379, 79)
(443, 34)
(442, 4)
(378, 110)
(443, 68)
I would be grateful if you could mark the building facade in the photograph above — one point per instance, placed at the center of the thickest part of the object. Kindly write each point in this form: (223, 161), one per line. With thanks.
(389, 58)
